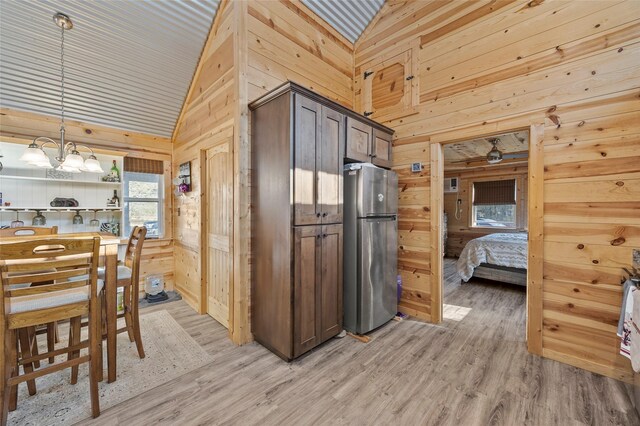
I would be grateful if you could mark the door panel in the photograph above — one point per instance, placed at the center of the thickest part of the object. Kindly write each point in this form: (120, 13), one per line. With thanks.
(377, 269)
(330, 171)
(307, 331)
(381, 155)
(219, 224)
(331, 281)
(358, 140)
(305, 181)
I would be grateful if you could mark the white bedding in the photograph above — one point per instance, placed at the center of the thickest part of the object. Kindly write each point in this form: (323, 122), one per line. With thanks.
(502, 249)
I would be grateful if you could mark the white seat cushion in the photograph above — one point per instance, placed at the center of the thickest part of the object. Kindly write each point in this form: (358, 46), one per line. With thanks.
(49, 300)
(124, 273)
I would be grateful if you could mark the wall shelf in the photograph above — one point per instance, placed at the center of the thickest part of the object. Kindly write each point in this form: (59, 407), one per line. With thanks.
(60, 209)
(83, 182)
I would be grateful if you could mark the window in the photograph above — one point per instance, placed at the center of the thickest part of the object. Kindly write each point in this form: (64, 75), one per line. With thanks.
(494, 204)
(143, 194)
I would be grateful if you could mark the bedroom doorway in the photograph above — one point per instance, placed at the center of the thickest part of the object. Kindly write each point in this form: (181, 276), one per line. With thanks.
(485, 205)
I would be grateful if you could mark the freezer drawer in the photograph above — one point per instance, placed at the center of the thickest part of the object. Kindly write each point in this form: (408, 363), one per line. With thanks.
(377, 269)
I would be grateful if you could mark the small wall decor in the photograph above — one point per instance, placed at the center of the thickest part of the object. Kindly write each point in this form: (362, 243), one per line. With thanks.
(183, 181)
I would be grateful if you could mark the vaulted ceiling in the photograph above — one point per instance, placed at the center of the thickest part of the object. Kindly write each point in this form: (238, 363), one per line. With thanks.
(128, 64)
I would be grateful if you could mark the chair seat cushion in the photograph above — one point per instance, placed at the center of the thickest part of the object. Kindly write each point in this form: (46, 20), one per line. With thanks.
(124, 273)
(49, 300)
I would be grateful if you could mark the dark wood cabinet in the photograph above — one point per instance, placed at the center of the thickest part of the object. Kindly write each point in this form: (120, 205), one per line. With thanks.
(297, 154)
(367, 143)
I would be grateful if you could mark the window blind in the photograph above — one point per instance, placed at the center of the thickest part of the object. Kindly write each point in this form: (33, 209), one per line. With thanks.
(143, 165)
(494, 192)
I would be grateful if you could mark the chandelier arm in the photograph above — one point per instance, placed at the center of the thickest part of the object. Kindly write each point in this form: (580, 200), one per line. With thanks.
(84, 146)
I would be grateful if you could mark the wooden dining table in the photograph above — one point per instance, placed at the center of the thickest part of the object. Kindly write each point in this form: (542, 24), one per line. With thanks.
(109, 252)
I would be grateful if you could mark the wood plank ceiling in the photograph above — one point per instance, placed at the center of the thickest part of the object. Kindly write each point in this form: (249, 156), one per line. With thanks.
(477, 149)
(128, 63)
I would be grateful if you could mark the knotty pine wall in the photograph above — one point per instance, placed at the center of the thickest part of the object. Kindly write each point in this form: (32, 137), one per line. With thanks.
(459, 231)
(491, 66)
(22, 127)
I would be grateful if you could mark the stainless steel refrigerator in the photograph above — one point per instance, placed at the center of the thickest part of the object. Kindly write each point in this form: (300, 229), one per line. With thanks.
(370, 247)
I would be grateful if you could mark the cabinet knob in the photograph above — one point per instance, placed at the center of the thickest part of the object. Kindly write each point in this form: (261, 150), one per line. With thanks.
(317, 214)
(324, 235)
(373, 155)
(318, 236)
(324, 215)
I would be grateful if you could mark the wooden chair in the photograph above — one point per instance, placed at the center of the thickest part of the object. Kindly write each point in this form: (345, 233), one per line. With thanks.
(129, 278)
(51, 329)
(56, 298)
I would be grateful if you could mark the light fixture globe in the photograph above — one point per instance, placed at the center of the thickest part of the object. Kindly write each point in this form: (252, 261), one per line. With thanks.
(495, 155)
(68, 169)
(92, 165)
(33, 154)
(74, 160)
(45, 163)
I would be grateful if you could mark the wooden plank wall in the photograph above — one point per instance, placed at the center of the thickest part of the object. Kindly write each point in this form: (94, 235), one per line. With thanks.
(287, 41)
(22, 127)
(207, 113)
(459, 232)
(497, 65)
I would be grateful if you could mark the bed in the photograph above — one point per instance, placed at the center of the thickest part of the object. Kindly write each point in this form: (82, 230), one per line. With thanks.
(499, 256)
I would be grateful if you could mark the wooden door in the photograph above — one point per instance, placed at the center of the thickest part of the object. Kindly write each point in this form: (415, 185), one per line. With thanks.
(331, 281)
(358, 143)
(218, 261)
(381, 153)
(307, 298)
(330, 166)
(305, 177)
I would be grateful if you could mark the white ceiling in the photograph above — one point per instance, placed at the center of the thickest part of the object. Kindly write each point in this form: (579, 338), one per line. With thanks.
(128, 63)
(477, 149)
(348, 17)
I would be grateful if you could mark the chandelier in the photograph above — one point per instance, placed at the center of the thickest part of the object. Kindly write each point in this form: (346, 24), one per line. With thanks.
(67, 156)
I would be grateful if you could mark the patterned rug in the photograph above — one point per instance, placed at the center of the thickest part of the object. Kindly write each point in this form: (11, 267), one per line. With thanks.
(170, 353)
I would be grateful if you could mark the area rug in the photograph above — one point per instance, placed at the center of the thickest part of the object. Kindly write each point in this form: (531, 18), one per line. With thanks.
(170, 353)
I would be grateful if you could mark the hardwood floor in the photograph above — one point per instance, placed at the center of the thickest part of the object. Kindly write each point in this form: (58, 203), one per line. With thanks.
(473, 369)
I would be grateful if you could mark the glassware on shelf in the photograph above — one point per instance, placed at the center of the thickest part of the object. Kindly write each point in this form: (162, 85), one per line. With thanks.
(39, 219)
(17, 223)
(77, 219)
(95, 223)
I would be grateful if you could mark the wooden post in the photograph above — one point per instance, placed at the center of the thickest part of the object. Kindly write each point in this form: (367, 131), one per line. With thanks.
(437, 207)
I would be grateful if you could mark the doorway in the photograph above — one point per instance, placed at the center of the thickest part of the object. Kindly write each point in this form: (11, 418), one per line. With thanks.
(217, 230)
(478, 218)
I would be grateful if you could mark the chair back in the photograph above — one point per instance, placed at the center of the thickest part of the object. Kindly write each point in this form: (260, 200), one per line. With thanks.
(134, 251)
(25, 231)
(47, 267)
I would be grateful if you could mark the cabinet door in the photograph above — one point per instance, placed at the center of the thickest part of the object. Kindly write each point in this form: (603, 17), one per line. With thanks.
(306, 292)
(330, 169)
(381, 155)
(305, 179)
(358, 140)
(331, 313)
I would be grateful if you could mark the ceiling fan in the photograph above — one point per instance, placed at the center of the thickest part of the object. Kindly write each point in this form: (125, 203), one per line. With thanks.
(494, 156)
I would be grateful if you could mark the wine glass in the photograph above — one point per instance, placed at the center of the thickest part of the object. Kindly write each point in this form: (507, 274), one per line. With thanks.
(77, 219)
(94, 222)
(17, 223)
(39, 219)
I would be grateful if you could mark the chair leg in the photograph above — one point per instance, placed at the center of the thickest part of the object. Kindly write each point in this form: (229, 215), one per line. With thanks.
(25, 350)
(33, 341)
(51, 339)
(99, 328)
(127, 312)
(55, 332)
(135, 317)
(95, 337)
(11, 393)
(74, 339)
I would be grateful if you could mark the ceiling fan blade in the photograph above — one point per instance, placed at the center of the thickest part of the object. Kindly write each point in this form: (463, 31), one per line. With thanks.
(516, 155)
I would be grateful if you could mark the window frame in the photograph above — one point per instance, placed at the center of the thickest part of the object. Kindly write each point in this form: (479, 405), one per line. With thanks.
(520, 218)
(159, 200)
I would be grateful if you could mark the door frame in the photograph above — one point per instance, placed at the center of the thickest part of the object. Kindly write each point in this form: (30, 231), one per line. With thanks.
(535, 225)
(218, 139)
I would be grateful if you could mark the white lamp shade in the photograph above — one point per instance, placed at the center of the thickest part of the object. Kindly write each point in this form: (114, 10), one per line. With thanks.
(74, 161)
(92, 165)
(33, 155)
(64, 168)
